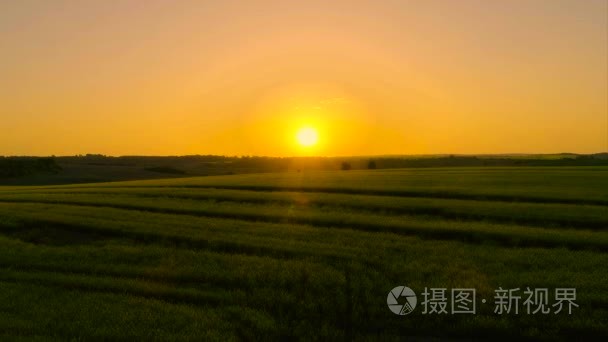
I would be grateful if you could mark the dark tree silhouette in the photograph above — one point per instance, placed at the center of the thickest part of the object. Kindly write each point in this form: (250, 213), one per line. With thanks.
(345, 166)
(371, 165)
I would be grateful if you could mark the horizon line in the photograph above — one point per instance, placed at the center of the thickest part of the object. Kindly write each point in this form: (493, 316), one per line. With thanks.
(311, 156)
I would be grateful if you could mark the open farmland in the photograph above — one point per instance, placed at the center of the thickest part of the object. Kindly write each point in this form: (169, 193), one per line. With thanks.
(302, 254)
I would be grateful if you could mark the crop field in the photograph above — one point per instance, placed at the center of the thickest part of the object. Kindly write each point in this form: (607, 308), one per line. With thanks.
(303, 255)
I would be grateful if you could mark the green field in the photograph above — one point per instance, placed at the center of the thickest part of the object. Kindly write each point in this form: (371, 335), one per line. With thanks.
(303, 255)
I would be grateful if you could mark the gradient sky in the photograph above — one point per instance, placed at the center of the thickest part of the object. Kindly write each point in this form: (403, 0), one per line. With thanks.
(240, 77)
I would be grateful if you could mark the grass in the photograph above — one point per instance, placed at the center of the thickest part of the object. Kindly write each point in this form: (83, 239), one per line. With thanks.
(301, 255)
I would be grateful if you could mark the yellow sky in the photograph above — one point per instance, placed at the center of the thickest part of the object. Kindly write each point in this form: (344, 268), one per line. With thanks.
(241, 77)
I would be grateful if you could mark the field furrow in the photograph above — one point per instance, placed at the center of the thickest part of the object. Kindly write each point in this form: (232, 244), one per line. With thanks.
(546, 215)
(429, 227)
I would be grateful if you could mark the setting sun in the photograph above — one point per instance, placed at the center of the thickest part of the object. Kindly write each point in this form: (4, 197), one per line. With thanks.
(307, 136)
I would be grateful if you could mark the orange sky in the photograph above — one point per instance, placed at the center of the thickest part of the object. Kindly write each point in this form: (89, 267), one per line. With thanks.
(241, 77)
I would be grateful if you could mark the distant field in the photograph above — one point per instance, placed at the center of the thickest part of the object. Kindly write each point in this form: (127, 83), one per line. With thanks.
(307, 255)
(99, 168)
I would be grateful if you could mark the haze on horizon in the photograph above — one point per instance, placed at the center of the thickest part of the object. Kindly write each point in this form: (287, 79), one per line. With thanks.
(242, 77)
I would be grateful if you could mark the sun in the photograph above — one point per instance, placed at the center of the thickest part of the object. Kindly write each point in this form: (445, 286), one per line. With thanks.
(307, 136)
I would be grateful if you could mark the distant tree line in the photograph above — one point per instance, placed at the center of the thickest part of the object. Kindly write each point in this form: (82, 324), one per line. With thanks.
(135, 167)
(455, 161)
(22, 166)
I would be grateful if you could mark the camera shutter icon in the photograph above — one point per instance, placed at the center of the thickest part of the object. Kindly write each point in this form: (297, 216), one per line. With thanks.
(401, 300)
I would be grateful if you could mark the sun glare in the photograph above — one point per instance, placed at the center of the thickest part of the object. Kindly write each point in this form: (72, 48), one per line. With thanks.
(307, 136)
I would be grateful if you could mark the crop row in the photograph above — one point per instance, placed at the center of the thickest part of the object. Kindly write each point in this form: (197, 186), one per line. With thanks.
(538, 214)
(422, 226)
